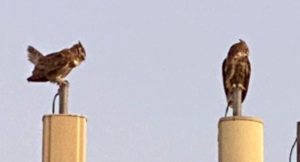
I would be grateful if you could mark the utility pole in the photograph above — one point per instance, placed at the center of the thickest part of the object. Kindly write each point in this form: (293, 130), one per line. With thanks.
(298, 141)
(64, 134)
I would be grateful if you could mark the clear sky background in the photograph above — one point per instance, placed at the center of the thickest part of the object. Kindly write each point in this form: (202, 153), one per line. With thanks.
(151, 85)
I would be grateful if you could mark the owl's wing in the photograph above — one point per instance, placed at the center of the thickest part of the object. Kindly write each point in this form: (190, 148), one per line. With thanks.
(38, 75)
(224, 76)
(50, 64)
(55, 61)
(246, 80)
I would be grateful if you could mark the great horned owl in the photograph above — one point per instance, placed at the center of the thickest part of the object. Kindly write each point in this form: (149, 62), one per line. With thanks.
(236, 70)
(55, 66)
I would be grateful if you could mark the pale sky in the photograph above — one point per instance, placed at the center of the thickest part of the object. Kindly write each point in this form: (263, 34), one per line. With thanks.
(151, 85)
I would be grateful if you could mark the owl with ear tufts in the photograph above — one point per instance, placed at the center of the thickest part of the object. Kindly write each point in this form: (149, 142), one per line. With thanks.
(236, 70)
(55, 66)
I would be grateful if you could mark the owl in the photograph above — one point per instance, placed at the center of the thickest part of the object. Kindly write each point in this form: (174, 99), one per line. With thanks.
(236, 70)
(54, 67)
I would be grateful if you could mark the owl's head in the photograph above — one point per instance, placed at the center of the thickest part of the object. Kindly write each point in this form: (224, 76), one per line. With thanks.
(243, 46)
(79, 50)
(238, 50)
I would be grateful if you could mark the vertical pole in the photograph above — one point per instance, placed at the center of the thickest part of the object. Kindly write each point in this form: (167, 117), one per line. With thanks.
(240, 139)
(64, 138)
(298, 141)
(63, 98)
(237, 99)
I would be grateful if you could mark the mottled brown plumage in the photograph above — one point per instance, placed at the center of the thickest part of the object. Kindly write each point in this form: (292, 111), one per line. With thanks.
(236, 70)
(55, 66)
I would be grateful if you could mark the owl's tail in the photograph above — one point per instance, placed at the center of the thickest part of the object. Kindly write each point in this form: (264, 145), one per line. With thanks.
(33, 54)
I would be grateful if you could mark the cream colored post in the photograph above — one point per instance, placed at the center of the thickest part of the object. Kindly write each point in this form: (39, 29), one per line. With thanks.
(240, 139)
(64, 138)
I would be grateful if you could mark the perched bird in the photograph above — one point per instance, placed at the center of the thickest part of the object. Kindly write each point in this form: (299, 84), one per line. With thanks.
(236, 70)
(55, 66)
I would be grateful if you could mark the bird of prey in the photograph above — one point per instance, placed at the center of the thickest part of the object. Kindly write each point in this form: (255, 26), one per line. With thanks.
(236, 70)
(55, 66)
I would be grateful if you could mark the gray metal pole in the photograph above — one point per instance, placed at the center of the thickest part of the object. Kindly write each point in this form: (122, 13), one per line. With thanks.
(237, 101)
(298, 141)
(63, 98)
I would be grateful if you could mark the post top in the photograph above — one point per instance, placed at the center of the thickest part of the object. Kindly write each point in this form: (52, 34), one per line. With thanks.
(64, 115)
(245, 118)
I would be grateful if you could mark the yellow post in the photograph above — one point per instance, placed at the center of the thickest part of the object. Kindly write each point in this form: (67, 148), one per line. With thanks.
(240, 139)
(64, 138)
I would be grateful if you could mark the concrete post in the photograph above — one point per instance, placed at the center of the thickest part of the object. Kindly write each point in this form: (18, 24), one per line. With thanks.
(240, 139)
(64, 138)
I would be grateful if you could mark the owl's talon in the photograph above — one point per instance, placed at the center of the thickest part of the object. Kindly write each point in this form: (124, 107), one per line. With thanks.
(241, 87)
(62, 83)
